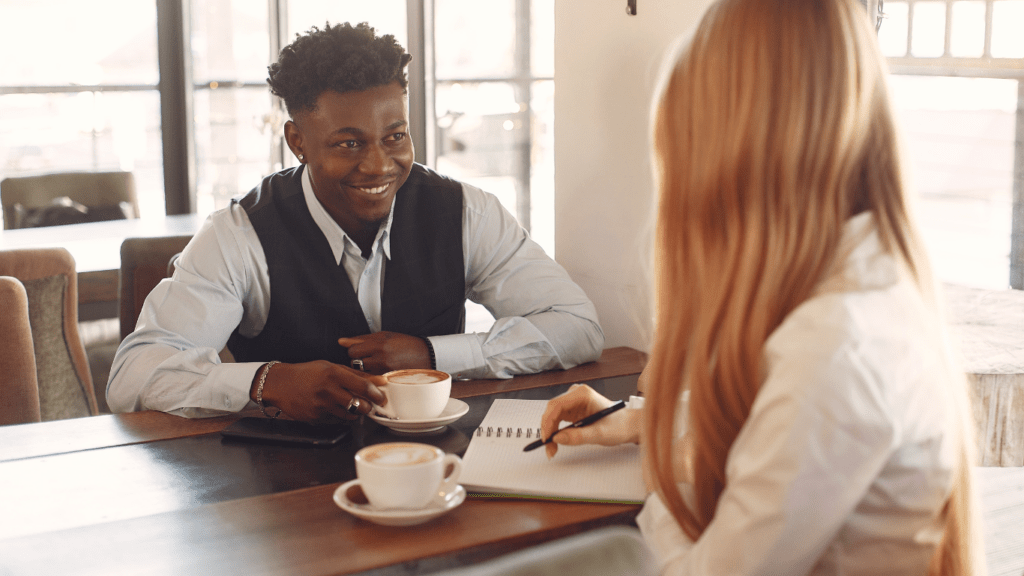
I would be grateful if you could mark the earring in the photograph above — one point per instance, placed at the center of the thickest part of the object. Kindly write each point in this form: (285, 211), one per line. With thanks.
(301, 157)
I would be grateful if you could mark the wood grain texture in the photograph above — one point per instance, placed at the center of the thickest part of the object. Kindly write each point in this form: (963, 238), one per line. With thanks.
(63, 436)
(301, 532)
(152, 493)
(41, 439)
(141, 478)
(999, 411)
(613, 362)
(97, 286)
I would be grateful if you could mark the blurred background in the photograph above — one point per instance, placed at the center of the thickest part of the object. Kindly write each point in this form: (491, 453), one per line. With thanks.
(83, 85)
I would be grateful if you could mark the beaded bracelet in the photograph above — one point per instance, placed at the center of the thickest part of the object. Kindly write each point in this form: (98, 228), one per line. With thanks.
(259, 389)
(430, 350)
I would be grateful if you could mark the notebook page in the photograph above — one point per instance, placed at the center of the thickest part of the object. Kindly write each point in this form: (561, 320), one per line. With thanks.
(497, 464)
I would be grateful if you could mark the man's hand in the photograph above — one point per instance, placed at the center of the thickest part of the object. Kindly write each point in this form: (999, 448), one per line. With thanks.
(581, 401)
(386, 351)
(319, 392)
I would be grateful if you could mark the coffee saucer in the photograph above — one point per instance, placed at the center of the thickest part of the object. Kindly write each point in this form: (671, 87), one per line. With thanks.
(454, 410)
(393, 517)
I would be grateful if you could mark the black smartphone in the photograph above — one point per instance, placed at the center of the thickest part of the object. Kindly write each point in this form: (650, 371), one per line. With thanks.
(286, 432)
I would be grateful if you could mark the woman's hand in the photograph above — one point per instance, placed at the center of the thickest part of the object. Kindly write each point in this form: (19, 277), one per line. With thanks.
(578, 402)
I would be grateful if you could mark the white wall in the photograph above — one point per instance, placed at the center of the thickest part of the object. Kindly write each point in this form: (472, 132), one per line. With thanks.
(607, 67)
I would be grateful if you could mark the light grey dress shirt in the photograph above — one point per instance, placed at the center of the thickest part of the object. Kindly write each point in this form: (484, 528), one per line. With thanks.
(170, 363)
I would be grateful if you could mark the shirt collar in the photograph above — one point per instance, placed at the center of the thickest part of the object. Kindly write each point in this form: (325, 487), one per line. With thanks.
(336, 236)
(862, 262)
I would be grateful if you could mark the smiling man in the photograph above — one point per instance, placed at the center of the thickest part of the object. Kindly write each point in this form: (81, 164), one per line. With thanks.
(356, 262)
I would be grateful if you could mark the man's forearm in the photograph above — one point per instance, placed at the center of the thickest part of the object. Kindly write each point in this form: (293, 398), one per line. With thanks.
(545, 341)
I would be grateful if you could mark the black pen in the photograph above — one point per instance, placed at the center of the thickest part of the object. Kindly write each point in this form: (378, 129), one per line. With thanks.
(579, 424)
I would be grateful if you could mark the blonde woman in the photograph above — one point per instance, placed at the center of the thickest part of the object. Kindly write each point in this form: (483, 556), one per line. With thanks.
(802, 414)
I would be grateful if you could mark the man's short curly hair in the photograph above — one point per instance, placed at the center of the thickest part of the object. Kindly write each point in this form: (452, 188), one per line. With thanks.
(342, 58)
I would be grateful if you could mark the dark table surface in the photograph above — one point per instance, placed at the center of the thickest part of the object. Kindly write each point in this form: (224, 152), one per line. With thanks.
(209, 468)
(151, 493)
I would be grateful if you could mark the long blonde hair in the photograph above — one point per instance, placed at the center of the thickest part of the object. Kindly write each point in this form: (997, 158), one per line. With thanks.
(773, 128)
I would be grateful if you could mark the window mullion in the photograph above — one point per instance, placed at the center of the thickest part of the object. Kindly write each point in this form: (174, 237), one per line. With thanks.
(277, 22)
(420, 31)
(176, 110)
(521, 153)
(1017, 227)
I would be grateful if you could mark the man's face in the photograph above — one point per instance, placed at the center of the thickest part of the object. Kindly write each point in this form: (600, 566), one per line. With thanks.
(357, 149)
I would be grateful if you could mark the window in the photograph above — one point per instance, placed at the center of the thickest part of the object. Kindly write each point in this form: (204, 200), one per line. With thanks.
(238, 124)
(81, 93)
(958, 86)
(101, 76)
(232, 108)
(494, 103)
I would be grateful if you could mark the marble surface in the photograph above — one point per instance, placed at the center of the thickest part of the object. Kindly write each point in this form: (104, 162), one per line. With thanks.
(988, 326)
(988, 331)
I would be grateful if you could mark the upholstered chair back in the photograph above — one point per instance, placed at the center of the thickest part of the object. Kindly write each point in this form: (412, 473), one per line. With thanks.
(48, 300)
(67, 198)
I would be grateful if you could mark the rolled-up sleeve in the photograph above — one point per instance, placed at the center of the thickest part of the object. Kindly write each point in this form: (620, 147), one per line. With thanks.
(544, 320)
(170, 362)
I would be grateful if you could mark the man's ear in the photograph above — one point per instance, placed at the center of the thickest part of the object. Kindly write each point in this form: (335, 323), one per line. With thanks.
(293, 136)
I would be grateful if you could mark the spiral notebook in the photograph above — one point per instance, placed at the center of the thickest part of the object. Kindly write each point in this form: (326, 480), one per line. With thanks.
(495, 463)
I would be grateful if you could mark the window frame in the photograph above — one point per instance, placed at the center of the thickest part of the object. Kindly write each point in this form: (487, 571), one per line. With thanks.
(984, 66)
(177, 87)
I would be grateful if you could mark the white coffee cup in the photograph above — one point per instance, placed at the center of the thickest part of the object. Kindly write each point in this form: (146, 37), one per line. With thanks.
(415, 394)
(406, 475)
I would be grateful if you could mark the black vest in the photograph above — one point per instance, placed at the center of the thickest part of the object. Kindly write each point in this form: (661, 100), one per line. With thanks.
(312, 302)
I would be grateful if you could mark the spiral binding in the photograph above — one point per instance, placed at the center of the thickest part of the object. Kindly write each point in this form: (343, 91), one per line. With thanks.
(507, 432)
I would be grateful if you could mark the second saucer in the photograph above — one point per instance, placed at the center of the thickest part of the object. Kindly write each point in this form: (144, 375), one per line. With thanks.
(394, 517)
(454, 410)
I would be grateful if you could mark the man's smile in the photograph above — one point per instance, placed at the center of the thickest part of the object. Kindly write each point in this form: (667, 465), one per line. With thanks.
(358, 152)
(375, 190)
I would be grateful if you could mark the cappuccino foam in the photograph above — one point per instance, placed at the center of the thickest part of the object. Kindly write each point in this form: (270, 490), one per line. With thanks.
(399, 455)
(415, 378)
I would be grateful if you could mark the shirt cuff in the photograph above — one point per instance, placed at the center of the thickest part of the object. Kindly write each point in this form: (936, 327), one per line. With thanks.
(236, 379)
(635, 403)
(661, 531)
(226, 392)
(459, 355)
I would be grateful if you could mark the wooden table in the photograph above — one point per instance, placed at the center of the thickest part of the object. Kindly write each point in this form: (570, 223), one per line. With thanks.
(152, 493)
(96, 247)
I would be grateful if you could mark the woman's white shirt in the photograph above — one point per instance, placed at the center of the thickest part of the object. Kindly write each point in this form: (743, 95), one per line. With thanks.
(849, 449)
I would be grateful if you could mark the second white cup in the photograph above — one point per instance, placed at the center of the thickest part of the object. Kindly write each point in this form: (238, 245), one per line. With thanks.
(406, 475)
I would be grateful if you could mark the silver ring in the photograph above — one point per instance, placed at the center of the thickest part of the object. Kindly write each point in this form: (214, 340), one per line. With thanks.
(357, 364)
(353, 405)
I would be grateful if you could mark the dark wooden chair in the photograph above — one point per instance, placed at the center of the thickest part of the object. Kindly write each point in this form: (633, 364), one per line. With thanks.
(144, 263)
